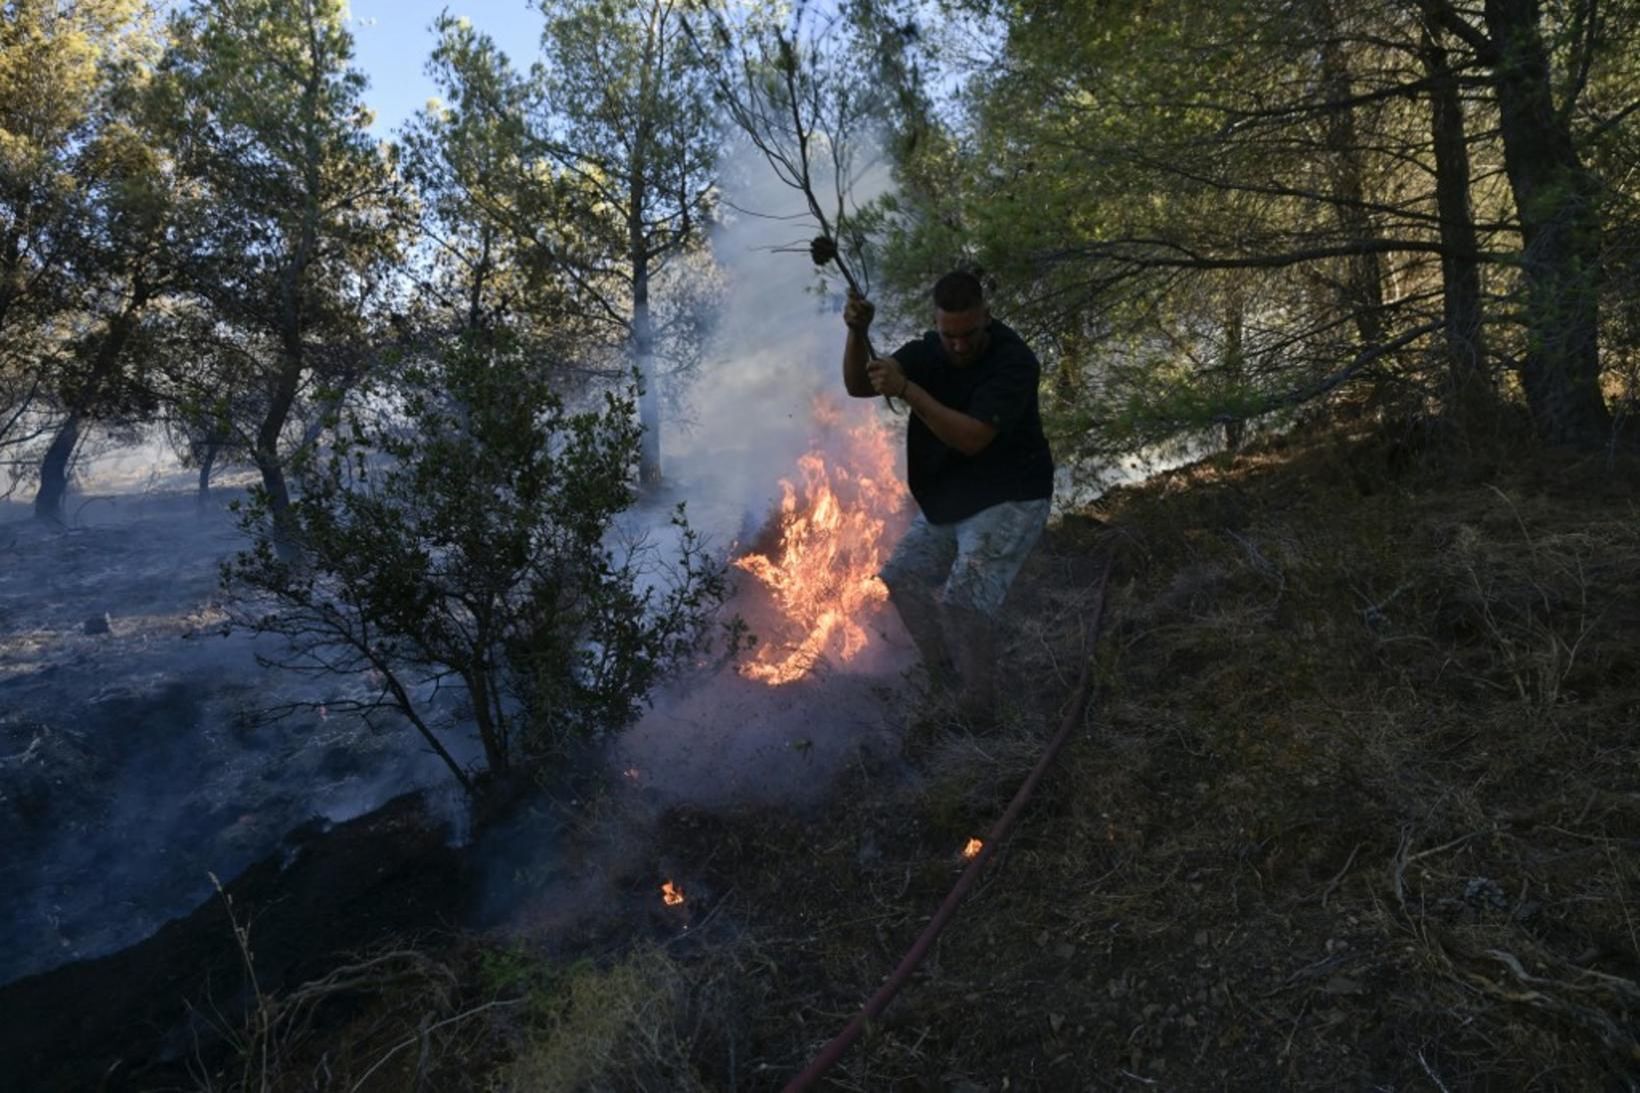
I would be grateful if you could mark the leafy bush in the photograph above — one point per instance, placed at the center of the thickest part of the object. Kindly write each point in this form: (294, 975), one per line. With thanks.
(460, 530)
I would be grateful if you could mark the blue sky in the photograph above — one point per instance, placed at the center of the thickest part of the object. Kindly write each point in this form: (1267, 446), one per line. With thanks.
(392, 41)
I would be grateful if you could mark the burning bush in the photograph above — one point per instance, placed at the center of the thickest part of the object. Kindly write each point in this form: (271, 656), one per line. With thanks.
(464, 539)
(824, 546)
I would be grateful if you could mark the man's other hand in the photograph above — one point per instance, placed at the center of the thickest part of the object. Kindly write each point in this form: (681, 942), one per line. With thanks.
(858, 312)
(887, 377)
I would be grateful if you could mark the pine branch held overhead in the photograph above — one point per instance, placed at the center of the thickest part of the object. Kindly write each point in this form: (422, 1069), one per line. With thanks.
(787, 108)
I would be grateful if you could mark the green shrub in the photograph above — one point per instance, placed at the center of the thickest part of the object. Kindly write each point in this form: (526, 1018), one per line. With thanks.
(461, 532)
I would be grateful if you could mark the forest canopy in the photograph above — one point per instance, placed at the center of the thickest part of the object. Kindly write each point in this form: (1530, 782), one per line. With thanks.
(1205, 217)
(1201, 213)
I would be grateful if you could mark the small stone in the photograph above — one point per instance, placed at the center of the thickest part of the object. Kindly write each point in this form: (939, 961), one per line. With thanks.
(1056, 1021)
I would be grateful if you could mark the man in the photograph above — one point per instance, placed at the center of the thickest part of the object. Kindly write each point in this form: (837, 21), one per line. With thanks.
(980, 470)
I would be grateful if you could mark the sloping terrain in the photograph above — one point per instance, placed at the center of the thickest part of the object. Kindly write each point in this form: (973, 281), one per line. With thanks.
(1356, 805)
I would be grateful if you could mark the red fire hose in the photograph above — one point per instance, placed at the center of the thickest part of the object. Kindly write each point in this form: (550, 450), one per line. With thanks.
(833, 1051)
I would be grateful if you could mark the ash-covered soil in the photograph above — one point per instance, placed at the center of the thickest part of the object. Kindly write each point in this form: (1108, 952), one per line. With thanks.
(136, 755)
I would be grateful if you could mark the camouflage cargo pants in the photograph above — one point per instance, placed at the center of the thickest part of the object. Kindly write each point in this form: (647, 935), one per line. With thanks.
(949, 581)
(971, 562)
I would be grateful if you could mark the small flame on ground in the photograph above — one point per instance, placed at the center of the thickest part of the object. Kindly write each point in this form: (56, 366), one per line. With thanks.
(823, 574)
(971, 851)
(672, 894)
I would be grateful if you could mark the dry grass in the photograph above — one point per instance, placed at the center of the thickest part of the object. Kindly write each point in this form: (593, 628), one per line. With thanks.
(640, 1023)
(1358, 806)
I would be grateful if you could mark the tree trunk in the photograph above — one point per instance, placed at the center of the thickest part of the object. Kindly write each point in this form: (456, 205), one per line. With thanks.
(649, 407)
(481, 276)
(1555, 197)
(1364, 275)
(48, 502)
(643, 331)
(267, 458)
(497, 752)
(12, 276)
(1235, 359)
(207, 460)
(290, 327)
(1469, 390)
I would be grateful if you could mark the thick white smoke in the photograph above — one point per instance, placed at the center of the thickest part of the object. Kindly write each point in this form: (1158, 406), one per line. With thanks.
(778, 345)
(777, 342)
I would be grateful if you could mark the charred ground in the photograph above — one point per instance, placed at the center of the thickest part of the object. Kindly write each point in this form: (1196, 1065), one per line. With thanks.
(1356, 805)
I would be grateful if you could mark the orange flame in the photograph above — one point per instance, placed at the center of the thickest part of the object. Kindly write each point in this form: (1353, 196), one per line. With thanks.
(971, 851)
(672, 894)
(832, 529)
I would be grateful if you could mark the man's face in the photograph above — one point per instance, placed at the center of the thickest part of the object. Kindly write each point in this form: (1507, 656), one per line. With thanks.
(962, 333)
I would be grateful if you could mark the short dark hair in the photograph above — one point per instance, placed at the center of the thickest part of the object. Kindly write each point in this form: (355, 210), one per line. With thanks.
(958, 291)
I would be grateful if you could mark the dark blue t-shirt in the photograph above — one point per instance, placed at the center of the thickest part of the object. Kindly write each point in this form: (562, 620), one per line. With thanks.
(998, 389)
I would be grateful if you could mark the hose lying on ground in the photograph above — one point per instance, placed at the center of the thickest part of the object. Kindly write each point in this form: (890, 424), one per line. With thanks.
(833, 1051)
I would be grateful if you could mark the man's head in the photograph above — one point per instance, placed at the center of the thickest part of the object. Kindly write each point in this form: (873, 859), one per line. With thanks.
(961, 317)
